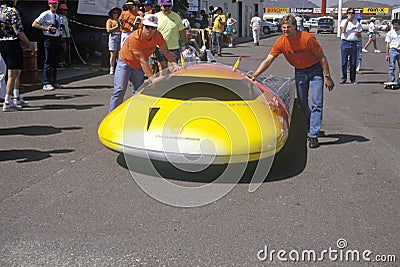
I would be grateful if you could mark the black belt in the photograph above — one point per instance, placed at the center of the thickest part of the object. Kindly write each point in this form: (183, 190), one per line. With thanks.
(348, 41)
(312, 66)
(397, 49)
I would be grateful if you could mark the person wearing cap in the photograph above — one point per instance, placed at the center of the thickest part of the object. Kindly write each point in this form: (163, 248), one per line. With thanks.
(114, 37)
(11, 33)
(372, 32)
(65, 34)
(350, 29)
(128, 19)
(219, 21)
(172, 29)
(49, 22)
(133, 58)
(148, 7)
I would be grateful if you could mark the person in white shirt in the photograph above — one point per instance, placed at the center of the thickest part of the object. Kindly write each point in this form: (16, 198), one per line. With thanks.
(255, 24)
(393, 49)
(49, 22)
(350, 28)
(372, 33)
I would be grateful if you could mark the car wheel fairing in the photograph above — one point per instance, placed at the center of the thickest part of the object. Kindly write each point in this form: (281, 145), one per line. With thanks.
(209, 135)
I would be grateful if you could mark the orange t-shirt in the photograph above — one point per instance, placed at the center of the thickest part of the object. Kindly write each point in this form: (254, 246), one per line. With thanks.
(137, 43)
(300, 51)
(130, 18)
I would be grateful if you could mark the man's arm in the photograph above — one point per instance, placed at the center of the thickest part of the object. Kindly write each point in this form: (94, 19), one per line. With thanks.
(325, 67)
(143, 63)
(184, 38)
(263, 66)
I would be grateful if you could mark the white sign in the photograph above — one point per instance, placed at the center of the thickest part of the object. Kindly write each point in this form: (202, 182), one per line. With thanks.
(193, 5)
(98, 7)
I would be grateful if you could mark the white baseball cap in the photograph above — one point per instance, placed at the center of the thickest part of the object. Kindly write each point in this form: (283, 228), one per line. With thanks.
(150, 20)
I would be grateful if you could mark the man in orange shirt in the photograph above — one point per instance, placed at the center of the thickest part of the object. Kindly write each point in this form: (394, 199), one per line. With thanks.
(304, 52)
(128, 20)
(133, 58)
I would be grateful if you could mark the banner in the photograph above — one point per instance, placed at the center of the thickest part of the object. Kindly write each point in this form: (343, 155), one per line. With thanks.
(98, 7)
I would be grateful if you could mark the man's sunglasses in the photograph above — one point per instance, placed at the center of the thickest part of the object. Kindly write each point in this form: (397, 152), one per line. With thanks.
(166, 6)
(150, 27)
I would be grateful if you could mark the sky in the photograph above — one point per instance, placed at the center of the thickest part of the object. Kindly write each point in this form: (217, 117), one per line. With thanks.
(333, 2)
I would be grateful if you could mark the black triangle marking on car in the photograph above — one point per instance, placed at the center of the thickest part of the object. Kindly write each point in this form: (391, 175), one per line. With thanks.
(152, 113)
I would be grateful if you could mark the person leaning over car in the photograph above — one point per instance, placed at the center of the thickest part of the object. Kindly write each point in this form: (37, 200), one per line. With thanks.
(133, 58)
(304, 52)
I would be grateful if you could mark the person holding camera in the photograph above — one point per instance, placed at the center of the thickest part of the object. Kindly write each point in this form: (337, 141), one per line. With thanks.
(49, 22)
(219, 21)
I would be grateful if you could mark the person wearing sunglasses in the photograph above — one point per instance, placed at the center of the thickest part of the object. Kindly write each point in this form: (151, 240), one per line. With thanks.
(350, 30)
(172, 29)
(133, 58)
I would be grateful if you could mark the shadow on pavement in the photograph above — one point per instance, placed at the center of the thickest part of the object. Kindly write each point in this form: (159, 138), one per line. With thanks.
(29, 155)
(62, 107)
(35, 130)
(53, 97)
(341, 139)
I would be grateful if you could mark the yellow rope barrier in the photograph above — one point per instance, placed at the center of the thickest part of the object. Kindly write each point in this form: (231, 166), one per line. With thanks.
(87, 25)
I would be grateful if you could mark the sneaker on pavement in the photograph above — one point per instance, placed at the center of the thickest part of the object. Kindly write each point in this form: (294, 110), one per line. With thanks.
(377, 51)
(19, 101)
(10, 107)
(365, 50)
(313, 142)
(355, 82)
(342, 81)
(48, 87)
(111, 70)
(58, 86)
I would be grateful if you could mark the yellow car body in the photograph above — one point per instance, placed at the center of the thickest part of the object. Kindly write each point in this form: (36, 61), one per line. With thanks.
(200, 114)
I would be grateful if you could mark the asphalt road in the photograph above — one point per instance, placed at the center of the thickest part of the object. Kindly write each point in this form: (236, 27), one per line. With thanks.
(65, 200)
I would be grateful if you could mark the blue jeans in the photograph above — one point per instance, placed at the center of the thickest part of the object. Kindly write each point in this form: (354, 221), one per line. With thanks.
(311, 79)
(359, 55)
(216, 38)
(348, 52)
(124, 73)
(52, 48)
(394, 56)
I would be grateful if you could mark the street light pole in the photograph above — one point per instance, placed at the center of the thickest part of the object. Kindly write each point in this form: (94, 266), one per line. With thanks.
(339, 18)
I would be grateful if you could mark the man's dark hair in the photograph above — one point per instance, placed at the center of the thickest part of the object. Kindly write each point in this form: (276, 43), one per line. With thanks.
(395, 21)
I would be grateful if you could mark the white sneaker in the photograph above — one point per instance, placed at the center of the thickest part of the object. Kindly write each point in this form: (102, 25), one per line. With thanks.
(230, 45)
(111, 70)
(365, 50)
(10, 107)
(377, 51)
(19, 101)
(48, 87)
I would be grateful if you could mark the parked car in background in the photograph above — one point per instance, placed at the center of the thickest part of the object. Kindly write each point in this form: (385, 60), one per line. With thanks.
(268, 27)
(276, 22)
(384, 26)
(364, 24)
(325, 24)
(307, 26)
